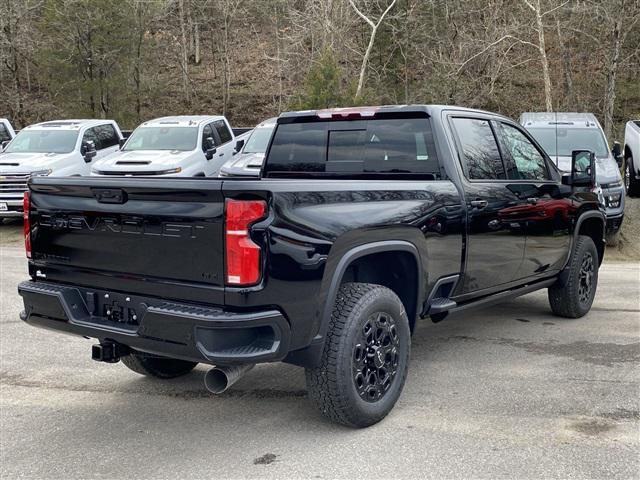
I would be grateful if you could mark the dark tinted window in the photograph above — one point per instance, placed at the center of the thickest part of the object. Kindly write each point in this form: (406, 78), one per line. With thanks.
(107, 136)
(4, 133)
(223, 131)
(529, 162)
(91, 136)
(358, 146)
(480, 154)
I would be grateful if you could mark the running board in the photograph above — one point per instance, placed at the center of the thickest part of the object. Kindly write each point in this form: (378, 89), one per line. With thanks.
(502, 296)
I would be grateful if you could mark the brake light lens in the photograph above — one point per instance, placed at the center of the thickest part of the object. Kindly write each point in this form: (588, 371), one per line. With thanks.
(242, 254)
(26, 204)
(347, 113)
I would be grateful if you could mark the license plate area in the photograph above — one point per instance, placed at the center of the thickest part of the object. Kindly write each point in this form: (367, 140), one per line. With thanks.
(115, 309)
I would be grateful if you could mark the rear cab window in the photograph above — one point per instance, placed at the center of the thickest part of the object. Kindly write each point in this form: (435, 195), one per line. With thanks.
(478, 149)
(389, 146)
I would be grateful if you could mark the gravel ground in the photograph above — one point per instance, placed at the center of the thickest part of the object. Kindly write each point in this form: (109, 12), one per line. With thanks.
(505, 392)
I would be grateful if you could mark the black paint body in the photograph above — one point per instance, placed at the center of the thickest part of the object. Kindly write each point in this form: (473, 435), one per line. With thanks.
(165, 245)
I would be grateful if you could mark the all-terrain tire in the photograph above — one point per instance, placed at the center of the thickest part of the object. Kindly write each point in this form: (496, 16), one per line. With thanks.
(631, 185)
(350, 387)
(155, 366)
(573, 298)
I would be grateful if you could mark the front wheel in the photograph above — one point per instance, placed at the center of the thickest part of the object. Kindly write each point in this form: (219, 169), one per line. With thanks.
(365, 358)
(631, 185)
(573, 298)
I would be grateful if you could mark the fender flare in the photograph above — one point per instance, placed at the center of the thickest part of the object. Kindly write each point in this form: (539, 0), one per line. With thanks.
(309, 357)
(357, 252)
(564, 273)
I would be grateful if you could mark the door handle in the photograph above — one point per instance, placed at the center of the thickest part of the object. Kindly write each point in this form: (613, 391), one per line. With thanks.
(479, 203)
(532, 200)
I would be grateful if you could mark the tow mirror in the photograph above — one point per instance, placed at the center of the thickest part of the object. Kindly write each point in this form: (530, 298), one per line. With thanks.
(616, 151)
(88, 150)
(121, 142)
(210, 148)
(583, 168)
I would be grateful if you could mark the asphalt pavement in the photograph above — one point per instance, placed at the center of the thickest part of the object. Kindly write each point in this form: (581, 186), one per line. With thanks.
(509, 391)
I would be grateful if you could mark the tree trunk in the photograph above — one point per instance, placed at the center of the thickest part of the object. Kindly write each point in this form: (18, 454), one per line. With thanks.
(543, 58)
(612, 71)
(184, 52)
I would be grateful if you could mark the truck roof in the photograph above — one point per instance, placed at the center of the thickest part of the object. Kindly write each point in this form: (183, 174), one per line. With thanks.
(566, 119)
(67, 124)
(182, 120)
(370, 111)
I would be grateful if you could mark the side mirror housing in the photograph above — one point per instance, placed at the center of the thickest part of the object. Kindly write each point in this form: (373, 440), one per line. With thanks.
(238, 147)
(583, 168)
(88, 150)
(210, 148)
(616, 151)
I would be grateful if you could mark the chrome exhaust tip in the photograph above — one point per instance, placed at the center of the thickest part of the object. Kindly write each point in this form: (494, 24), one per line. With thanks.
(219, 379)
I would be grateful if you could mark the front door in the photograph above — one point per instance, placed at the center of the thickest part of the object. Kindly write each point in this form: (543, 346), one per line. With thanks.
(547, 211)
(495, 244)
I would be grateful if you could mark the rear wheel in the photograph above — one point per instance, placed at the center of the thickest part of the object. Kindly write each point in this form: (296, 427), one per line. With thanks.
(574, 298)
(155, 366)
(365, 359)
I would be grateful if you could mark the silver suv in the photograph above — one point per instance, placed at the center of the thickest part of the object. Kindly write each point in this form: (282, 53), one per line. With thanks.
(560, 133)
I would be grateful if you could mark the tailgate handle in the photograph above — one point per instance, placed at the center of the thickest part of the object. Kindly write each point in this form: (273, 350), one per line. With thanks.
(109, 195)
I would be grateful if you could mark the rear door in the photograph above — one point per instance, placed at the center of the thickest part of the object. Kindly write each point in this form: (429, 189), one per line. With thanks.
(155, 237)
(495, 236)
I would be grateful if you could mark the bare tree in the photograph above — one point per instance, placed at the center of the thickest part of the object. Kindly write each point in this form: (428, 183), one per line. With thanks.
(372, 38)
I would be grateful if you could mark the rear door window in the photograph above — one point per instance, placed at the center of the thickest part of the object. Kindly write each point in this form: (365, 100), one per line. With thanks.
(378, 146)
(4, 133)
(223, 131)
(107, 136)
(479, 151)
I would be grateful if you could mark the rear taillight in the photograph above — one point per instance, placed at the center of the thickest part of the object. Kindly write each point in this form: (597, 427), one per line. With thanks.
(26, 203)
(243, 256)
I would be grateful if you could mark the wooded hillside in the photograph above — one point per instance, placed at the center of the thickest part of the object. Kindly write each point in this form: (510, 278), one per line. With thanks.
(136, 59)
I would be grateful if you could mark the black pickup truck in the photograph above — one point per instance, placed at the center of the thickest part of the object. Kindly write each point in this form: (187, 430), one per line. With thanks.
(363, 221)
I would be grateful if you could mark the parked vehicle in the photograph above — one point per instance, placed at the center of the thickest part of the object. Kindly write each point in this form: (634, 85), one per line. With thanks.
(364, 220)
(561, 133)
(6, 132)
(632, 158)
(181, 146)
(60, 148)
(249, 159)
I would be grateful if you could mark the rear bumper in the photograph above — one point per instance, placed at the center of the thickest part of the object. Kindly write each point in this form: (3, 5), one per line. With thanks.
(196, 333)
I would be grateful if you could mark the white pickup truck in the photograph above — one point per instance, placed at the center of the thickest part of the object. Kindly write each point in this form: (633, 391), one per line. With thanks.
(632, 158)
(6, 132)
(184, 146)
(59, 148)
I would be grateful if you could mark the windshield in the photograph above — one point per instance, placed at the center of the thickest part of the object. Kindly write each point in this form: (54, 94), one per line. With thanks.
(163, 138)
(569, 139)
(259, 140)
(43, 141)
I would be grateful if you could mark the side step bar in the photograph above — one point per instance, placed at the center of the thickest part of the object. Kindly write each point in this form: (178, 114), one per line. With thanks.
(506, 295)
(439, 307)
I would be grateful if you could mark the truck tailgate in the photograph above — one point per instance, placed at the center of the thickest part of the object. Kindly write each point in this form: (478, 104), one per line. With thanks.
(156, 237)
